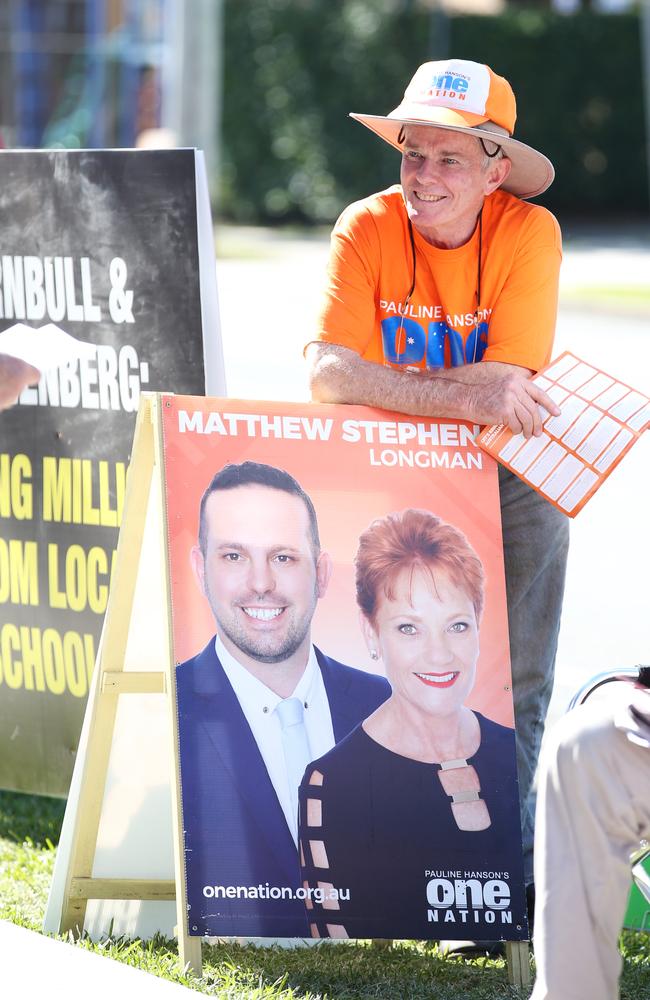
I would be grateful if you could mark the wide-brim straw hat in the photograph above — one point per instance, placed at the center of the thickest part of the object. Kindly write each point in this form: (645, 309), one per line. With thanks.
(467, 97)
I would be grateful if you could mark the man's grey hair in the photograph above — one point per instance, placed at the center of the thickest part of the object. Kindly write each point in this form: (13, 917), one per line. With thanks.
(491, 151)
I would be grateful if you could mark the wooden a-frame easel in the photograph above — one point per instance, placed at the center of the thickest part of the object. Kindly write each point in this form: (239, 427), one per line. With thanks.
(111, 682)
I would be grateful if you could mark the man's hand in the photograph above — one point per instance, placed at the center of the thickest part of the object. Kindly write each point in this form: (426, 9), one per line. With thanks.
(15, 375)
(511, 399)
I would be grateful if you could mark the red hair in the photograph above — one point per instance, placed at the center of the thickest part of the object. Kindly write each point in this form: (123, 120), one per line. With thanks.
(414, 539)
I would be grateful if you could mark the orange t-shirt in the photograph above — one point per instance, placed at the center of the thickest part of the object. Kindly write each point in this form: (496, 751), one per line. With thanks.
(371, 270)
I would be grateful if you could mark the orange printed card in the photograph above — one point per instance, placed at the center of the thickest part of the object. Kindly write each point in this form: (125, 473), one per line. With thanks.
(601, 418)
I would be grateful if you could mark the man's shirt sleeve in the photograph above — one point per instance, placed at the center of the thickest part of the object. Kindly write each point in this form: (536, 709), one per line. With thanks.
(348, 314)
(522, 324)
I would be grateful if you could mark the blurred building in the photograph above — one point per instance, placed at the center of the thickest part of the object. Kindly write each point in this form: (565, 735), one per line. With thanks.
(77, 73)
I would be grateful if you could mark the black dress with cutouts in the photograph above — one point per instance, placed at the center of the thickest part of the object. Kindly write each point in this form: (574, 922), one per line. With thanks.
(383, 856)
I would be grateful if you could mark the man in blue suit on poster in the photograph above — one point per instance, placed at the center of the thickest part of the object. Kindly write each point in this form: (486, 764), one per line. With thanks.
(257, 704)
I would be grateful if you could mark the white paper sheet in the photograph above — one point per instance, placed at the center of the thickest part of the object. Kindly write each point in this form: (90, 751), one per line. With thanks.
(45, 348)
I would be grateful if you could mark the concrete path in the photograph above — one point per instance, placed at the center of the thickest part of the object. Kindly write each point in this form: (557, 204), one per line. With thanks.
(37, 966)
(606, 617)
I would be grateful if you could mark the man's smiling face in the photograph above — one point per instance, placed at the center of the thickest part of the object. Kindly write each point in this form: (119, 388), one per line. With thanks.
(445, 176)
(260, 573)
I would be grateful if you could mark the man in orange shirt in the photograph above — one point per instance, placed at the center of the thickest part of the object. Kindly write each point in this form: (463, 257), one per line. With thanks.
(441, 302)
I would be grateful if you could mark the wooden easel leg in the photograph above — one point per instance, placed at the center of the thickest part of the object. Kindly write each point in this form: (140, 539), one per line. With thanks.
(189, 953)
(518, 961)
(112, 647)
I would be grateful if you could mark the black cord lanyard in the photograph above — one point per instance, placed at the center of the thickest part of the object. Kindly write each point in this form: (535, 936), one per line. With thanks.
(478, 285)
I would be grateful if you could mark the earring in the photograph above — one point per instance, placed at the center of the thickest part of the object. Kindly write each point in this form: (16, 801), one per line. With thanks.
(374, 655)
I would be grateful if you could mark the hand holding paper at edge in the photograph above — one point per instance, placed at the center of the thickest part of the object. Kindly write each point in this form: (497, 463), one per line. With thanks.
(45, 348)
(514, 400)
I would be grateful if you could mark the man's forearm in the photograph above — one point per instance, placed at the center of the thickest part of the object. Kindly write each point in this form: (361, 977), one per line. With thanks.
(341, 376)
(485, 393)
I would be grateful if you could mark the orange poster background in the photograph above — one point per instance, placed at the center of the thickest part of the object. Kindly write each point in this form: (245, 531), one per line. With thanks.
(348, 492)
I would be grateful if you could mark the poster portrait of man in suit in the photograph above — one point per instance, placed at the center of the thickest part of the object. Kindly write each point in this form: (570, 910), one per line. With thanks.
(258, 703)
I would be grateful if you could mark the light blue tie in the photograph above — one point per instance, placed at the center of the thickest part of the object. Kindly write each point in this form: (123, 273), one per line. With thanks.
(296, 747)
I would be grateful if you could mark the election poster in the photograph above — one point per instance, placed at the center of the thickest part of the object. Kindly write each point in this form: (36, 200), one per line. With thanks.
(113, 251)
(342, 680)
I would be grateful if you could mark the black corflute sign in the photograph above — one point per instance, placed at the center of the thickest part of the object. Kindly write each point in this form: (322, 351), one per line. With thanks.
(114, 247)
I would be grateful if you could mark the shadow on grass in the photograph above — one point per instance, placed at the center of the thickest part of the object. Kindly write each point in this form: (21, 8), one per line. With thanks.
(30, 817)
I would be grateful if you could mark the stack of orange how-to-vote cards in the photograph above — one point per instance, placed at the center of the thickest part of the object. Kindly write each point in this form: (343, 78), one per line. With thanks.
(601, 419)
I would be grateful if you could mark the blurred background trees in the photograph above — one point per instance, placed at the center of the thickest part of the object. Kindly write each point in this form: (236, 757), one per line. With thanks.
(265, 87)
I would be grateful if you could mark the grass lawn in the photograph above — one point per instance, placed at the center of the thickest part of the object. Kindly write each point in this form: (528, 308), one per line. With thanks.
(29, 830)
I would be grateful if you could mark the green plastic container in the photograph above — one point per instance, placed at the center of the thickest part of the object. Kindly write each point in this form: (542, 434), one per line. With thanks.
(637, 916)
